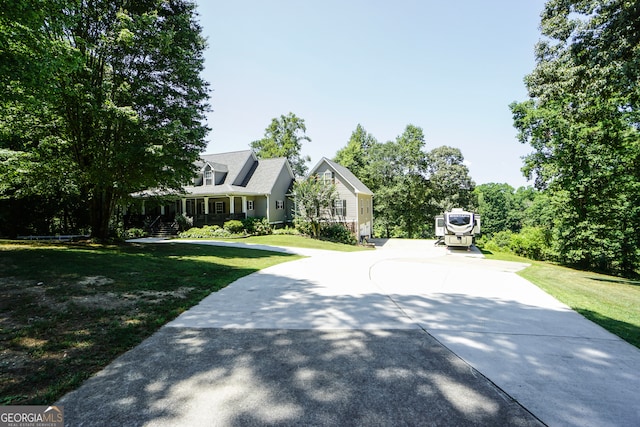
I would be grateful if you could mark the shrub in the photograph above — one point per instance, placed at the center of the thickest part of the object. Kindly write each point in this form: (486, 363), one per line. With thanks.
(257, 226)
(134, 233)
(206, 232)
(500, 242)
(531, 242)
(184, 222)
(234, 226)
(290, 231)
(336, 232)
(304, 226)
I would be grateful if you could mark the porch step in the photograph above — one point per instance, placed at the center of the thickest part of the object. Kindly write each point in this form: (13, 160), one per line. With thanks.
(164, 230)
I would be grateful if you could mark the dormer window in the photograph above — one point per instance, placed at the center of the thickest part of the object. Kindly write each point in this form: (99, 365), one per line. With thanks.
(208, 177)
(327, 177)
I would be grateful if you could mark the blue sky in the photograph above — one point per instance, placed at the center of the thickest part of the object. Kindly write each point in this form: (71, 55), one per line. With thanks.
(451, 68)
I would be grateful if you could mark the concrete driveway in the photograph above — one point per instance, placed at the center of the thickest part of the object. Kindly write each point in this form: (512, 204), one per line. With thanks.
(407, 334)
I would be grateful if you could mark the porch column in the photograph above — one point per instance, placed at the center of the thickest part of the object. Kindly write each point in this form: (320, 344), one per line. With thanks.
(206, 206)
(162, 210)
(232, 207)
(244, 204)
(184, 207)
(268, 208)
(143, 208)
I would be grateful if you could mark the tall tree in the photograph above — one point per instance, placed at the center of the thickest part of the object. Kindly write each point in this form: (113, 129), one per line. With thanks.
(450, 181)
(126, 99)
(401, 189)
(582, 120)
(283, 138)
(355, 156)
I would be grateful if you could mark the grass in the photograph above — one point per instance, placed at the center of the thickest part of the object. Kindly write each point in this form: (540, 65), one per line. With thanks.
(296, 241)
(611, 302)
(67, 310)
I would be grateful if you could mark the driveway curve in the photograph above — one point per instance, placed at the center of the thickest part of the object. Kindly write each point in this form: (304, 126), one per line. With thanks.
(407, 334)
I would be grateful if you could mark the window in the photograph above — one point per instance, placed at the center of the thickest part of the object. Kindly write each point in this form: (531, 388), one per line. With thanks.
(249, 205)
(327, 177)
(219, 207)
(459, 219)
(340, 208)
(279, 204)
(361, 207)
(208, 177)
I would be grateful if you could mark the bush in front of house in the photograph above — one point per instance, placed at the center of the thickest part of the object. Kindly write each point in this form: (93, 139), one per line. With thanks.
(234, 226)
(134, 233)
(304, 226)
(205, 232)
(287, 231)
(338, 233)
(258, 226)
(184, 222)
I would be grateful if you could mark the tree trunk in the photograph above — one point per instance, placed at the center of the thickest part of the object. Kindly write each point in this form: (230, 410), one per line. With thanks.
(101, 208)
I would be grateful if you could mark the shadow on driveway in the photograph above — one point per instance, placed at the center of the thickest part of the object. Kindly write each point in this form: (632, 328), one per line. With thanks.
(246, 377)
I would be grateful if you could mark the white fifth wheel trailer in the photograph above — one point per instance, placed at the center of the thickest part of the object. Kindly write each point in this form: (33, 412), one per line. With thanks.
(457, 227)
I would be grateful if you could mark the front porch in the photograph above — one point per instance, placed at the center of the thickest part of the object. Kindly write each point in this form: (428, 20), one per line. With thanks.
(201, 210)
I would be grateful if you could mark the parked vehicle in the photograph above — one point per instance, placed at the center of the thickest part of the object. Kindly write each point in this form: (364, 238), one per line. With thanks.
(457, 227)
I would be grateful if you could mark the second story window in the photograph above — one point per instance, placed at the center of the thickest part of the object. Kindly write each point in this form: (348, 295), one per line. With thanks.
(328, 177)
(208, 177)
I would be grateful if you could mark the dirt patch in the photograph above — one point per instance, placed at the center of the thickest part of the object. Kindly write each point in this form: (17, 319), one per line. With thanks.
(90, 281)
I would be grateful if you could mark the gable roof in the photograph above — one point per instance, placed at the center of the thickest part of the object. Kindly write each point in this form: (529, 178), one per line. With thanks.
(346, 175)
(235, 161)
(246, 174)
(266, 174)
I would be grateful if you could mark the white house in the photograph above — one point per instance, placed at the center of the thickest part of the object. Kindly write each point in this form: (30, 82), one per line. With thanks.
(354, 206)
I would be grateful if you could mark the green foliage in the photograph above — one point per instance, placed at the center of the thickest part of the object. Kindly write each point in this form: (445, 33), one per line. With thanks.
(338, 233)
(234, 226)
(282, 138)
(314, 200)
(184, 222)
(411, 185)
(532, 243)
(257, 226)
(99, 102)
(499, 242)
(205, 232)
(451, 184)
(134, 233)
(304, 226)
(583, 121)
(355, 155)
(286, 231)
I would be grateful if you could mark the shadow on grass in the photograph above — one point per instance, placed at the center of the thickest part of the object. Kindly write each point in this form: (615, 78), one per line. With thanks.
(67, 310)
(627, 331)
(620, 281)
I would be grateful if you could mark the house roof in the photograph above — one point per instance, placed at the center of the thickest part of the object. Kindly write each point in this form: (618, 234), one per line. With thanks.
(234, 161)
(346, 175)
(266, 174)
(217, 167)
(246, 174)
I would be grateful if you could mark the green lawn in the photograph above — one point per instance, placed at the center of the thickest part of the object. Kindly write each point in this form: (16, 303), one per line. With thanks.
(295, 241)
(612, 302)
(67, 310)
